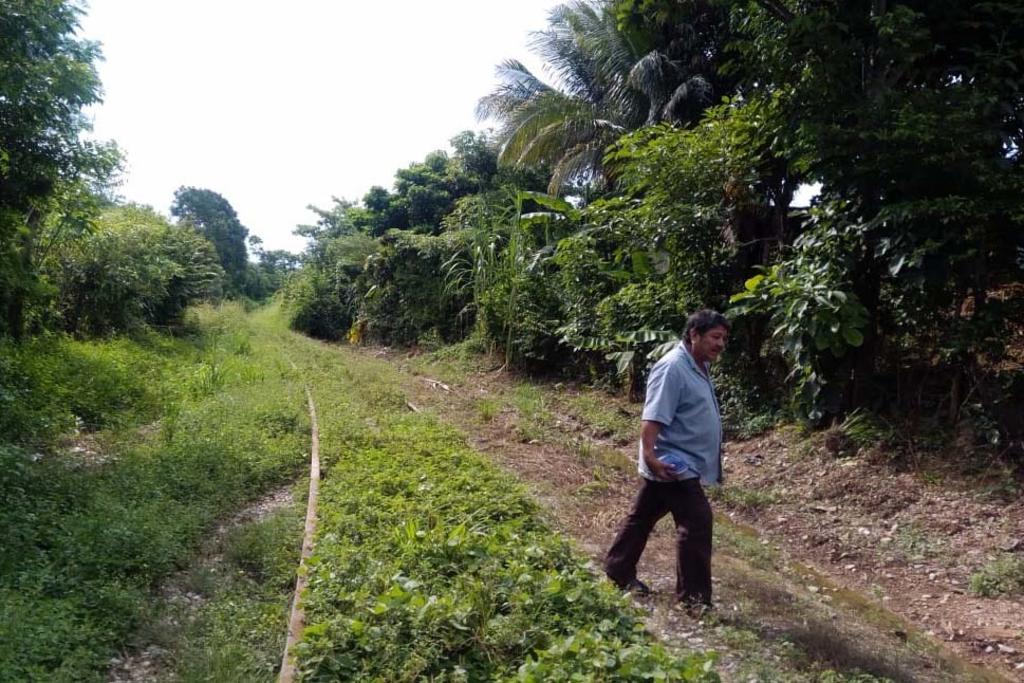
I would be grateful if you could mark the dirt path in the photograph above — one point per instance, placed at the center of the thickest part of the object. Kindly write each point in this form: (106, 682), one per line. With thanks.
(912, 544)
(808, 575)
(149, 659)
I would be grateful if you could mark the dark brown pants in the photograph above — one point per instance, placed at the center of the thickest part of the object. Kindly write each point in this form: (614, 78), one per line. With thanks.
(692, 515)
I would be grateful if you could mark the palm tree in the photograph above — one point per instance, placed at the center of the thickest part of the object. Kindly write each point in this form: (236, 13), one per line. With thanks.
(606, 86)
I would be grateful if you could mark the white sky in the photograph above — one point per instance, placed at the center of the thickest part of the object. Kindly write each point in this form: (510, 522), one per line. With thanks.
(280, 105)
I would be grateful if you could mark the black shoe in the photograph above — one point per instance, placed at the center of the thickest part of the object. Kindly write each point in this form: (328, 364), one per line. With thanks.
(637, 587)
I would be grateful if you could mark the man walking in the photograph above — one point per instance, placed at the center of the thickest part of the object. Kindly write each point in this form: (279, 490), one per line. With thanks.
(680, 449)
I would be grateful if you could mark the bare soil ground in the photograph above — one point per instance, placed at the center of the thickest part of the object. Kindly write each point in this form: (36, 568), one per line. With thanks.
(821, 563)
(910, 544)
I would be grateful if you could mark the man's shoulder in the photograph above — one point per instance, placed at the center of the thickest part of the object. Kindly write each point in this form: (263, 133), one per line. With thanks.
(668, 366)
(670, 360)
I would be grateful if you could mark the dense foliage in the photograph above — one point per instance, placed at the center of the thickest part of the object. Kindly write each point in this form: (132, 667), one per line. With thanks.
(905, 269)
(133, 269)
(48, 174)
(213, 217)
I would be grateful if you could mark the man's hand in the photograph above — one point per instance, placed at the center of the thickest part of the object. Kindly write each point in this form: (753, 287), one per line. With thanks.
(648, 436)
(659, 469)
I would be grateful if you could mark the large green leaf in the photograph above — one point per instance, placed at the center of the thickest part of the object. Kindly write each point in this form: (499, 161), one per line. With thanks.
(751, 284)
(548, 202)
(853, 336)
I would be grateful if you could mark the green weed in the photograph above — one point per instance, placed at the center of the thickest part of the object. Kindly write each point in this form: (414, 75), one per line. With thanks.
(915, 544)
(744, 544)
(742, 498)
(527, 432)
(603, 419)
(1002, 576)
(239, 633)
(207, 379)
(52, 386)
(530, 402)
(267, 551)
(595, 487)
(584, 449)
(488, 408)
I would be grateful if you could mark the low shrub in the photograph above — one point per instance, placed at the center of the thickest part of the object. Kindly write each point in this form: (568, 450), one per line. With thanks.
(404, 297)
(54, 385)
(1002, 576)
(320, 304)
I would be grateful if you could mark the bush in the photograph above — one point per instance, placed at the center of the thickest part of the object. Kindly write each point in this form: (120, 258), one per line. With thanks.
(1002, 576)
(522, 313)
(135, 269)
(405, 296)
(320, 304)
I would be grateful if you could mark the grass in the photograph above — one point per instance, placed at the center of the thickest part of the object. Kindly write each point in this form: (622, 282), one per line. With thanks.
(915, 544)
(488, 408)
(531, 403)
(742, 542)
(239, 633)
(53, 386)
(604, 420)
(742, 498)
(86, 540)
(453, 363)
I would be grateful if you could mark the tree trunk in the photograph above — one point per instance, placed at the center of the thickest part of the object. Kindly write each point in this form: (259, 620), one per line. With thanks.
(15, 313)
(868, 289)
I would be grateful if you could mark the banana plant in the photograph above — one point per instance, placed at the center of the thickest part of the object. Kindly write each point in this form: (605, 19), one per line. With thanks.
(632, 352)
(508, 244)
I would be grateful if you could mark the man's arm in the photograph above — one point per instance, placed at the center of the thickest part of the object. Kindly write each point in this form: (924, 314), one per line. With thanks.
(649, 431)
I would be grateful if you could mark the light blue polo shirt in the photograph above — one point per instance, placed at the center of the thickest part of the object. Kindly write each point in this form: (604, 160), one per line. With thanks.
(682, 399)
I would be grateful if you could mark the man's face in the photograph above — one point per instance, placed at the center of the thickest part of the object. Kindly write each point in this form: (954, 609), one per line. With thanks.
(708, 346)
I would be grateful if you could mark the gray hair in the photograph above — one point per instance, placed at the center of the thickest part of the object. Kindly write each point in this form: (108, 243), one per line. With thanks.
(704, 320)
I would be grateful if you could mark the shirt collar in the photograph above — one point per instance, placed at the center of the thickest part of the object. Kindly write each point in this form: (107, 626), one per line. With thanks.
(692, 362)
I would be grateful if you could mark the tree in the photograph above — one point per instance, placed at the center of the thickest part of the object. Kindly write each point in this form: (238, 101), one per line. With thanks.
(47, 78)
(331, 223)
(424, 193)
(267, 275)
(610, 79)
(909, 114)
(133, 269)
(214, 218)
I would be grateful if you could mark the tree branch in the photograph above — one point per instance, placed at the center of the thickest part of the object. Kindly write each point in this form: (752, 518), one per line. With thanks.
(777, 10)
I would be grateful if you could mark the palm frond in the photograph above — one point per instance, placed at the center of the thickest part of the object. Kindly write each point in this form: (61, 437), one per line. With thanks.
(517, 86)
(602, 86)
(694, 91)
(582, 162)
